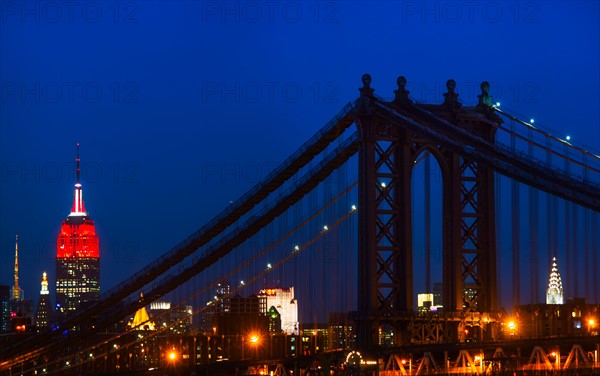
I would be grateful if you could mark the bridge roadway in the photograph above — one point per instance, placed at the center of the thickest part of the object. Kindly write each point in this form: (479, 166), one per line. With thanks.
(516, 360)
(516, 355)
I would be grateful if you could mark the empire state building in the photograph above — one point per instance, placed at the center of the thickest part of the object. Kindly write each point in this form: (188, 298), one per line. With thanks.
(77, 256)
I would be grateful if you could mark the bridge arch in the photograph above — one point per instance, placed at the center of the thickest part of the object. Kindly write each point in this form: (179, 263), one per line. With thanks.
(426, 193)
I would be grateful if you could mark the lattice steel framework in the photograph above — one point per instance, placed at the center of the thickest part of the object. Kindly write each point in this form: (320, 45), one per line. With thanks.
(477, 237)
(386, 157)
(470, 221)
(385, 254)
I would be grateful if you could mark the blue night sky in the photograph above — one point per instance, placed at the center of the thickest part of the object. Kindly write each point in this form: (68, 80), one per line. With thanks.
(181, 106)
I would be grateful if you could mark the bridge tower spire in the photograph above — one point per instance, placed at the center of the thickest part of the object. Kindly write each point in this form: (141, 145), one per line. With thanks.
(385, 229)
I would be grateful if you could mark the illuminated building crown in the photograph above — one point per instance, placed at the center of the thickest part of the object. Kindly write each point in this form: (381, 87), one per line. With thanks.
(77, 237)
(44, 290)
(554, 293)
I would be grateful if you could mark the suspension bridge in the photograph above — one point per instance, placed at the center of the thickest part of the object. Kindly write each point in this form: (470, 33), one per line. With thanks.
(347, 220)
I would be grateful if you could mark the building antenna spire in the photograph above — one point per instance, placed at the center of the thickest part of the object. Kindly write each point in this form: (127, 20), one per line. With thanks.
(78, 208)
(16, 290)
(78, 169)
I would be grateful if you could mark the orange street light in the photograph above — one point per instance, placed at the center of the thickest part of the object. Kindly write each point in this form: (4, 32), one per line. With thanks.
(172, 356)
(254, 339)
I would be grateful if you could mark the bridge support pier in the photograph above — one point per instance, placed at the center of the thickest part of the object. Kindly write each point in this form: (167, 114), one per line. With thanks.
(385, 232)
(387, 154)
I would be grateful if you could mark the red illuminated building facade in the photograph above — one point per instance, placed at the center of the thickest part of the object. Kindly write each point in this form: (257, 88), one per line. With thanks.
(77, 257)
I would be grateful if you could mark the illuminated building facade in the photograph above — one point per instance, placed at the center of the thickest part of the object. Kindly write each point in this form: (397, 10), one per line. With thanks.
(314, 339)
(284, 302)
(426, 302)
(177, 319)
(274, 320)
(573, 318)
(244, 316)
(44, 308)
(141, 319)
(222, 296)
(77, 257)
(4, 308)
(341, 331)
(554, 293)
(221, 303)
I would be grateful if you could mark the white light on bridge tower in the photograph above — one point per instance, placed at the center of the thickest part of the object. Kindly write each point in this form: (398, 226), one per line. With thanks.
(532, 121)
(554, 294)
(568, 138)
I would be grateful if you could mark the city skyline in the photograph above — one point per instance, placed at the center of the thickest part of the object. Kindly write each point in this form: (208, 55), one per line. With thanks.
(246, 330)
(299, 187)
(214, 137)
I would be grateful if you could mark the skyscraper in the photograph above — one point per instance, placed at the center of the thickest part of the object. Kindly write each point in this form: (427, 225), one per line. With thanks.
(221, 303)
(4, 308)
(554, 293)
(21, 310)
(44, 308)
(16, 291)
(77, 256)
(222, 296)
(286, 305)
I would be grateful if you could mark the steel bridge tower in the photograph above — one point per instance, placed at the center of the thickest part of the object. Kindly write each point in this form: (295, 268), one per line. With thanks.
(387, 154)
